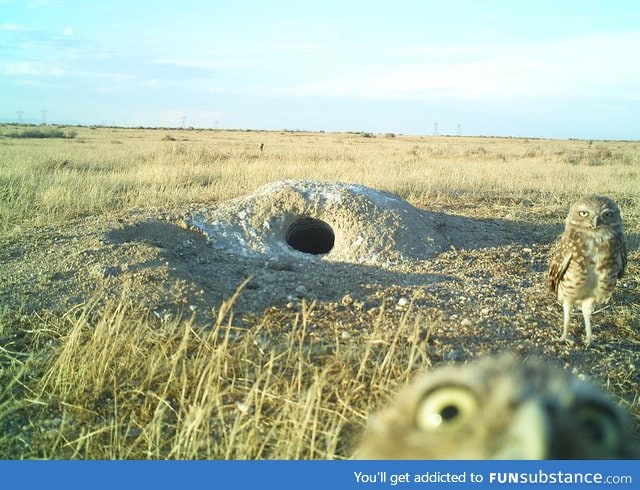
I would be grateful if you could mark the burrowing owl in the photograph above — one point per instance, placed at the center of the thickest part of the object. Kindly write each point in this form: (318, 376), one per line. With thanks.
(590, 256)
(499, 408)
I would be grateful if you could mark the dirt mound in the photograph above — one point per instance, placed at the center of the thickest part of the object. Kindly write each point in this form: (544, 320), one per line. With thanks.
(342, 222)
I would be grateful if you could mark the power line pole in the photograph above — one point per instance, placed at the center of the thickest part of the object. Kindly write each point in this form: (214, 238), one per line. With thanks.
(20, 113)
(182, 120)
(435, 129)
(44, 116)
(459, 129)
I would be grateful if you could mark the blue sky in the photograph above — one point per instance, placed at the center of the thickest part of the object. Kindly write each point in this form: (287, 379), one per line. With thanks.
(557, 69)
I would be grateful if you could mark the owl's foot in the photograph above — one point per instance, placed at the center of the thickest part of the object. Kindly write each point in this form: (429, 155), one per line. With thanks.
(566, 340)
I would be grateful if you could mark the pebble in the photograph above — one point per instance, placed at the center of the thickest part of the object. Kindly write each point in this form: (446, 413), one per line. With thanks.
(279, 265)
(453, 355)
(403, 301)
(346, 299)
(243, 407)
(106, 271)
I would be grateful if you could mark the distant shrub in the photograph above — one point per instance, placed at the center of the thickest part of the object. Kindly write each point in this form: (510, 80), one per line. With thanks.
(476, 152)
(594, 157)
(43, 133)
(367, 135)
(390, 135)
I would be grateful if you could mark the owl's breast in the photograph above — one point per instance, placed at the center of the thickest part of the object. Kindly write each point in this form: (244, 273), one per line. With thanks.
(594, 268)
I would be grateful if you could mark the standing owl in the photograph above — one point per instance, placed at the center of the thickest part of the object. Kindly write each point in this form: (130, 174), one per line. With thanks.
(500, 408)
(590, 256)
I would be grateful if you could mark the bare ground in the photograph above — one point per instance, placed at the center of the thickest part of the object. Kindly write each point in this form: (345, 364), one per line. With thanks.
(488, 291)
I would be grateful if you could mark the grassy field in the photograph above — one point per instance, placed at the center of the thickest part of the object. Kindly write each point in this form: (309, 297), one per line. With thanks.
(47, 180)
(111, 381)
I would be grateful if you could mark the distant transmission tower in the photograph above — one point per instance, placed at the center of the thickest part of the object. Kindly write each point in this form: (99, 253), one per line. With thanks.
(459, 129)
(44, 116)
(20, 113)
(182, 120)
(435, 129)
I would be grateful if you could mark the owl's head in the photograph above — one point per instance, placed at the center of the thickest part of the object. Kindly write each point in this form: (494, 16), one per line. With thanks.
(594, 212)
(499, 408)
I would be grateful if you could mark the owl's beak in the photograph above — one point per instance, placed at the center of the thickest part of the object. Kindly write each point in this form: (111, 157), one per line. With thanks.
(528, 436)
(597, 221)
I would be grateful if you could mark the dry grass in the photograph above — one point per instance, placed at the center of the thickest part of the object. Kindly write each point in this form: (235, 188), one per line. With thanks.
(114, 382)
(45, 181)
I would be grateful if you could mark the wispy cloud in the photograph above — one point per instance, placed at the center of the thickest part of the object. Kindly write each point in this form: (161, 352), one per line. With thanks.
(8, 26)
(174, 117)
(30, 83)
(205, 63)
(37, 4)
(587, 66)
(31, 68)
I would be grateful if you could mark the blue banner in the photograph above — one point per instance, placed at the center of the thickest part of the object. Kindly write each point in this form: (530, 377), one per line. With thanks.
(325, 475)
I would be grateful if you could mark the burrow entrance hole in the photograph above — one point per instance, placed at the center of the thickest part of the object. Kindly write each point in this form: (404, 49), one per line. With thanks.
(310, 235)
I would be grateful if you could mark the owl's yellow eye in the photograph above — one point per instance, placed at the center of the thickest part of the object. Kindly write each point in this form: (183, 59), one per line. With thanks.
(446, 408)
(599, 425)
(583, 213)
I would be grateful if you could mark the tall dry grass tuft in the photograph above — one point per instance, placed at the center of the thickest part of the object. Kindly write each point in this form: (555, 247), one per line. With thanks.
(121, 385)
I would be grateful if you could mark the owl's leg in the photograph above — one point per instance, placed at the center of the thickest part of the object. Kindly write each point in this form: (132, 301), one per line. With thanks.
(566, 307)
(587, 309)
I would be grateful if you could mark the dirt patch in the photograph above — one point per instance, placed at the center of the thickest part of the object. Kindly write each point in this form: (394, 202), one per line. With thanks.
(190, 260)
